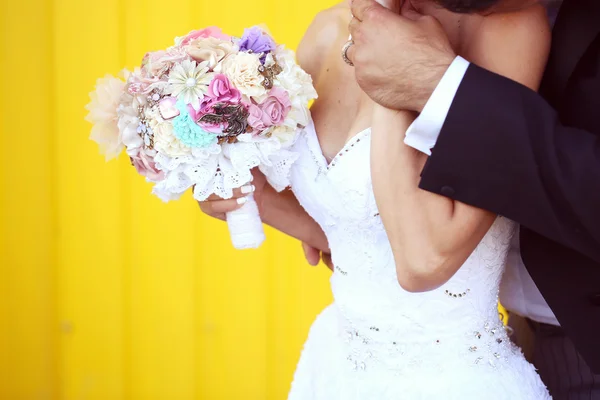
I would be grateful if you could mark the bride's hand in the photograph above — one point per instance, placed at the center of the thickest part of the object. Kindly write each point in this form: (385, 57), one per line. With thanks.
(281, 211)
(217, 207)
(314, 255)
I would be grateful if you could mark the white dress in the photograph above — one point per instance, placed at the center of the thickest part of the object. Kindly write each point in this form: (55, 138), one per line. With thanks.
(377, 341)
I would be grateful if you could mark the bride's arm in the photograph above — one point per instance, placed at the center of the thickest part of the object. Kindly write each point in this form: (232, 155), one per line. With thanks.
(431, 235)
(282, 210)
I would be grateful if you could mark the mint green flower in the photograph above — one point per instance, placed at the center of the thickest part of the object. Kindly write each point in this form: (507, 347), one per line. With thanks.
(188, 132)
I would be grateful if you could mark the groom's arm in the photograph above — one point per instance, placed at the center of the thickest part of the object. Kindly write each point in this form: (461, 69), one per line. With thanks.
(502, 148)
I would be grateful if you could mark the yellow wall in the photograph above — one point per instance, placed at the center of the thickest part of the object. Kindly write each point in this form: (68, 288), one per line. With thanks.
(105, 292)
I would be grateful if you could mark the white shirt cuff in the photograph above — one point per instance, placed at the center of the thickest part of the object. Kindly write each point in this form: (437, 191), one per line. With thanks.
(423, 133)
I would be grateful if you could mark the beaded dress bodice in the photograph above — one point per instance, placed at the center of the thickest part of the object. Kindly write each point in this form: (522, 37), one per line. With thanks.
(378, 328)
(339, 196)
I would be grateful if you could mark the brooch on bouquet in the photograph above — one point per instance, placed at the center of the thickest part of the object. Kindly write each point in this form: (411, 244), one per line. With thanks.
(203, 113)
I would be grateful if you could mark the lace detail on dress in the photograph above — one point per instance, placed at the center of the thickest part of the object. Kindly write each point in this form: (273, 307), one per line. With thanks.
(378, 341)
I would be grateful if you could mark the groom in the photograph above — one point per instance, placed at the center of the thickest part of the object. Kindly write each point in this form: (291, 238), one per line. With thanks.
(499, 146)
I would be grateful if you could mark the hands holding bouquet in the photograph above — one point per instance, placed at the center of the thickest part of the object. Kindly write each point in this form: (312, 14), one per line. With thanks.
(202, 114)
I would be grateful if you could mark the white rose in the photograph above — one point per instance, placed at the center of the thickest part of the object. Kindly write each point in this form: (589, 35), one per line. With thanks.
(242, 71)
(165, 140)
(284, 134)
(293, 79)
(298, 116)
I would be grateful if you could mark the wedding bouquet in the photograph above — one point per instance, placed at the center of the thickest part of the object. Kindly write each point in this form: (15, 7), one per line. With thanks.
(204, 112)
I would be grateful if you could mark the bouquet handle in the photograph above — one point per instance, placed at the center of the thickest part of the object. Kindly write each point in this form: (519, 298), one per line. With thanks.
(245, 226)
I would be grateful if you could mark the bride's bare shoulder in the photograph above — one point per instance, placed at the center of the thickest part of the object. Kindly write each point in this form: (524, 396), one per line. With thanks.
(321, 36)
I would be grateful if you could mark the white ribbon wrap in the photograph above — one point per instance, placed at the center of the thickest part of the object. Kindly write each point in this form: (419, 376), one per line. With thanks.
(221, 169)
(245, 226)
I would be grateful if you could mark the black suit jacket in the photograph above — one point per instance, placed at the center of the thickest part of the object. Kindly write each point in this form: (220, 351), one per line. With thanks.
(536, 160)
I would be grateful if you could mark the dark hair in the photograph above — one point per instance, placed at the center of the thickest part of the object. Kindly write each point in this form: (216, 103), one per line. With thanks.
(467, 6)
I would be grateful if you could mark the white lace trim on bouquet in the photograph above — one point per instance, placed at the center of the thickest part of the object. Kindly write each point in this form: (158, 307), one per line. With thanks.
(220, 169)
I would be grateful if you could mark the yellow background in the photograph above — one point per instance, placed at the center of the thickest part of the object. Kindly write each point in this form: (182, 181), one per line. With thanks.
(106, 292)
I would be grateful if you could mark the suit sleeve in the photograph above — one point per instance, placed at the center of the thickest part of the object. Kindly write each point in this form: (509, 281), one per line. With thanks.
(503, 148)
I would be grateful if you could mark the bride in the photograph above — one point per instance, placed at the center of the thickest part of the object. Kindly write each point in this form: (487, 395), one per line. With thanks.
(416, 275)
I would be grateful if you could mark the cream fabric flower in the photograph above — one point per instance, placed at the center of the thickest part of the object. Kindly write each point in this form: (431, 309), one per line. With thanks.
(297, 83)
(103, 114)
(284, 134)
(189, 82)
(165, 140)
(242, 71)
(211, 50)
(293, 78)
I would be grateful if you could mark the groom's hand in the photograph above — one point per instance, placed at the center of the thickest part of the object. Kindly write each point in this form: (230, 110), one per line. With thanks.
(399, 59)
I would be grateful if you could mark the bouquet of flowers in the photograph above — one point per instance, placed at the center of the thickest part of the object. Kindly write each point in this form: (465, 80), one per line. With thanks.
(203, 113)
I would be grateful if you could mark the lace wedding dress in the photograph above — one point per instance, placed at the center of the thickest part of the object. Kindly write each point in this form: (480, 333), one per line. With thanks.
(377, 341)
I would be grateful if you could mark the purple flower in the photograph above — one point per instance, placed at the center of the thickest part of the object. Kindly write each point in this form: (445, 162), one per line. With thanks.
(256, 40)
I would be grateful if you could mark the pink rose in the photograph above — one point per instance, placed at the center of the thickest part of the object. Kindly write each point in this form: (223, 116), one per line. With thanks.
(145, 166)
(221, 90)
(150, 60)
(276, 107)
(211, 31)
(272, 111)
(255, 119)
(206, 107)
